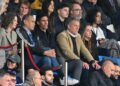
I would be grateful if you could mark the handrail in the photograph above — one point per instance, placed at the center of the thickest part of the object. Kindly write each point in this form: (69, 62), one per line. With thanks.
(8, 46)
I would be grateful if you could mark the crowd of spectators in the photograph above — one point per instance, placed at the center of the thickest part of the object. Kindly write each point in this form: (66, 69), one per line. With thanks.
(44, 34)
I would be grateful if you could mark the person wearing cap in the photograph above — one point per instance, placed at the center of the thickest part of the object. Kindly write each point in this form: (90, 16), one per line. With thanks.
(102, 76)
(12, 64)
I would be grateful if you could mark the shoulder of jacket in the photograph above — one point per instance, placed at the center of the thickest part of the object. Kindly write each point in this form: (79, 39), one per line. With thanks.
(2, 30)
(64, 33)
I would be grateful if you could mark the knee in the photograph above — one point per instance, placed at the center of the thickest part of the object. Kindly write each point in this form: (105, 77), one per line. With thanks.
(47, 60)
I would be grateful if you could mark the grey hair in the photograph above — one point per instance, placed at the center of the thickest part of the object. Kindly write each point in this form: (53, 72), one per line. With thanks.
(70, 20)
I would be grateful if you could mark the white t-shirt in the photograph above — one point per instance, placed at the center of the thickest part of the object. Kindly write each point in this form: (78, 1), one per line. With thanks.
(98, 32)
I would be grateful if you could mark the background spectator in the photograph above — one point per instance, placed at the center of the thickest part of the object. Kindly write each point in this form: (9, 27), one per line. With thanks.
(3, 6)
(48, 7)
(33, 79)
(24, 9)
(47, 77)
(13, 64)
(8, 35)
(89, 41)
(103, 36)
(102, 77)
(72, 47)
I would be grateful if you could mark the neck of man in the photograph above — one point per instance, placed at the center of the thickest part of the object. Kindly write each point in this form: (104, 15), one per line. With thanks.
(47, 83)
(61, 18)
(42, 29)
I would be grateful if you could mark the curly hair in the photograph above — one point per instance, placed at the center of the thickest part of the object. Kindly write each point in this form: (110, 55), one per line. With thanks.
(91, 15)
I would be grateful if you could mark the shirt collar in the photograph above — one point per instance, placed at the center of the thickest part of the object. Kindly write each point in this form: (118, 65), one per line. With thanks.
(72, 34)
(27, 30)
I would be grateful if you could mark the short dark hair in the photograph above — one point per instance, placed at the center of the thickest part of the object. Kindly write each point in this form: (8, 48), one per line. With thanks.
(40, 15)
(62, 5)
(45, 69)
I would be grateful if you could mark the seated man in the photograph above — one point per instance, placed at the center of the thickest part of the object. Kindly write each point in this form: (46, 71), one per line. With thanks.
(41, 55)
(47, 39)
(102, 77)
(71, 46)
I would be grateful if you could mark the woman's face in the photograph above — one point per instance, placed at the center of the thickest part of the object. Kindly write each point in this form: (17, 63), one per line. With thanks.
(14, 23)
(51, 6)
(88, 32)
(11, 65)
(98, 18)
(24, 9)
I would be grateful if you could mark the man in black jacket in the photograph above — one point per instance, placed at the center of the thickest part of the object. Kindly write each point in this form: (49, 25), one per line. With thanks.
(41, 55)
(102, 77)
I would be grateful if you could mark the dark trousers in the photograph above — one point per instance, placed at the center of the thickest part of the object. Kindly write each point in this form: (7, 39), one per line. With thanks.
(74, 67)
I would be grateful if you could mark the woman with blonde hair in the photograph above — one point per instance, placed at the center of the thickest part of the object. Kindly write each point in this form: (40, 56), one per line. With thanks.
(89, 40)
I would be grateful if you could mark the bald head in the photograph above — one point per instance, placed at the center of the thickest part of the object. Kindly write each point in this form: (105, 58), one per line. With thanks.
(108, 67)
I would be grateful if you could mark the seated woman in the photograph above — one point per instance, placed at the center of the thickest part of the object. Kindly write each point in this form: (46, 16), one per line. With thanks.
(89, 41)
(8, 37)
(104, 37)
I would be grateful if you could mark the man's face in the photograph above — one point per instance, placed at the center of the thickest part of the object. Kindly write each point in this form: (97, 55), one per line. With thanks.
(76, 11)
(37, 79)
(30, 23)
(13, 81)
(64, 12)
(5, 81)
(49, 77)
(43, 23)
(73, 27)
(110, 71)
